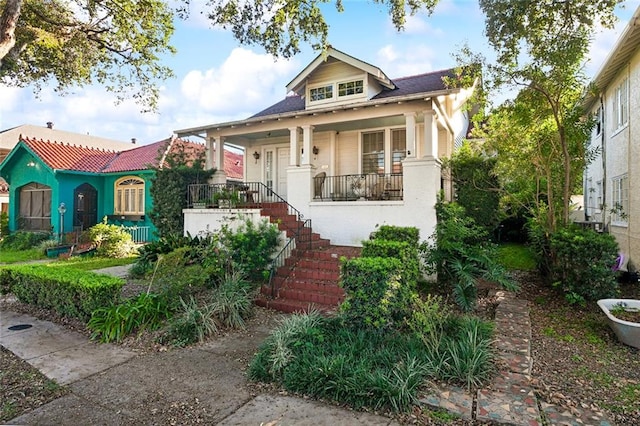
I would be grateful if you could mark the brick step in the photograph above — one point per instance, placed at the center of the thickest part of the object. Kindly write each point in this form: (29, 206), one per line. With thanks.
(315, 274)
(322, 298)
(329, 252)
(320, 264)
(318, 286)
(294, 306)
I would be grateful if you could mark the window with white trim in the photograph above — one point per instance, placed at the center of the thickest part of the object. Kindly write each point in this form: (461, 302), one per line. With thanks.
(598, 118)
(321, 93)
(373, 152)
(620, 106)
(599, 195)
(620, 200)
(129, 196)
(349, 88)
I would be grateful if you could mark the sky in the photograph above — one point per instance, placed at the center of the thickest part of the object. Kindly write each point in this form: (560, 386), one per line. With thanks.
(218, 80)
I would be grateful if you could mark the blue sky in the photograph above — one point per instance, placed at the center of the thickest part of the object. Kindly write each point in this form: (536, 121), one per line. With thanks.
(218, 80)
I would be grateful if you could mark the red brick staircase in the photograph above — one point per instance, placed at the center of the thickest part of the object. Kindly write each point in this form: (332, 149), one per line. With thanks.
(309, 277)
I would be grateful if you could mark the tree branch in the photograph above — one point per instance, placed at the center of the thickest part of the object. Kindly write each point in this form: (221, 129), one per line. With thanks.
(8, 23)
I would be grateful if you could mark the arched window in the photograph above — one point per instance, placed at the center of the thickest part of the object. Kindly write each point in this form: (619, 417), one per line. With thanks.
(129, 196)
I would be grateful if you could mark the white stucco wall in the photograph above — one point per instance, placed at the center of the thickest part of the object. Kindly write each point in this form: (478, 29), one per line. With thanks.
(202, 221)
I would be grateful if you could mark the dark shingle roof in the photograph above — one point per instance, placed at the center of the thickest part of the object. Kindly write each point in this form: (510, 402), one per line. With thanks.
(405, 86)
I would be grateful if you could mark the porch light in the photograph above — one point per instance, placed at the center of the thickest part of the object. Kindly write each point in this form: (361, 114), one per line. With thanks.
(62, 209)
(316, 150)
(31, 163)
(256, 155)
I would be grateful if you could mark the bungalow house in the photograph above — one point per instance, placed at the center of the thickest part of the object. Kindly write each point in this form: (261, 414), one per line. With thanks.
(611, 181)
(348, 148)
(61, 187)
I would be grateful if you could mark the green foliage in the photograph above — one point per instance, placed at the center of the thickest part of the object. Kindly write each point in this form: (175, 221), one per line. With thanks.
(232, 301)
(114, 323)
(250, 247)
(69, 292)
(461, 254)
(23, 240)
(378, 292)
(364, 367)
(279, 28)
(170, 186)
(4, 225)
(407, 254)
(14, 256)
(407, 234)
(111, 240)
(91, 263)
(583, 263)
(116, 44)
(193, 323)
(477, 186)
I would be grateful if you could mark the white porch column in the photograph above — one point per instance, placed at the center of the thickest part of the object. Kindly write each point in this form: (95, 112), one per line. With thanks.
(430, 147)
(332, 153)
(294, 152)
(307, 143)
(410, 124)
(219, 176)
(209, 163)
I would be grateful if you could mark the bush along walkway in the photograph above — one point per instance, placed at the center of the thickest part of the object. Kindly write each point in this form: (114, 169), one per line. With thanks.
(510, 398)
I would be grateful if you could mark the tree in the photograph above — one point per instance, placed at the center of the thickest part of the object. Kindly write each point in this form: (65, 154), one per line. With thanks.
(279, 26)
(116, 43)
(541, 135)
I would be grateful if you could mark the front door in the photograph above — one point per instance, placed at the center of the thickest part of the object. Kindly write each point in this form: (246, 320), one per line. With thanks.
(85, 200)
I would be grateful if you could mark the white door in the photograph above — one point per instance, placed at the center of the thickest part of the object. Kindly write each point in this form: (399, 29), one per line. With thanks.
(283, 164)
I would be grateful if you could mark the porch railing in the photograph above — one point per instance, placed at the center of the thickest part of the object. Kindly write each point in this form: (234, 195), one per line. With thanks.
(139, 234)
(358, 187)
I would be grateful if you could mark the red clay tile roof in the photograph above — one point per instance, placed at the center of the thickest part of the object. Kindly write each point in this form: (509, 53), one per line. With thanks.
(61, 156)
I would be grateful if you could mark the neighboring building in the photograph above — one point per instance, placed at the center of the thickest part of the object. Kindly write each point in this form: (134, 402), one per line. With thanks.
(612, 181)
(350, 148)
(91, 183)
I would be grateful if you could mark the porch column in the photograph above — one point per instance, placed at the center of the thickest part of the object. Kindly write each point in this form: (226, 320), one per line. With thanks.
(307, 143)
(410, 124)
(332, 153)
(219, 176)
(294, 152)
(209, 162)
(430, 147)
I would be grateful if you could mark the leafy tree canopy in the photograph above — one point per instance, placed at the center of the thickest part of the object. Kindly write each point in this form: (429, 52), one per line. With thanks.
(115, 43)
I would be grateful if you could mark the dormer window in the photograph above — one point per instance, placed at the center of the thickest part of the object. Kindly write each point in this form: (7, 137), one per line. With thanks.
(350, 88)
(321, 93)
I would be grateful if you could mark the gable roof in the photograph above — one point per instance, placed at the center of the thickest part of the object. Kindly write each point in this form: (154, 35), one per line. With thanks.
(421, 85)
(299, 81)
(10, 137)
(64, 156)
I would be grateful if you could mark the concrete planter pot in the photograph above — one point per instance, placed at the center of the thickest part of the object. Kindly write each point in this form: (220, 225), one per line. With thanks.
(626, 331)
(56, 251)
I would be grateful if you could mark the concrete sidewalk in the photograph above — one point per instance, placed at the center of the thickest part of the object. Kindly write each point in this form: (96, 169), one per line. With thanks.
(111, 385)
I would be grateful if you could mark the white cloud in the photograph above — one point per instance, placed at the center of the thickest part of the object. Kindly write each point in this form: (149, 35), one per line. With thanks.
(406, 61)
(245, 81)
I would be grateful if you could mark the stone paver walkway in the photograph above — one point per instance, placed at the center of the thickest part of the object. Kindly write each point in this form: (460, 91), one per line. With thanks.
(510, 398)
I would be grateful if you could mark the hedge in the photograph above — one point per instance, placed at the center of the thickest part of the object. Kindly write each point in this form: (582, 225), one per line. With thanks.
(69, 292)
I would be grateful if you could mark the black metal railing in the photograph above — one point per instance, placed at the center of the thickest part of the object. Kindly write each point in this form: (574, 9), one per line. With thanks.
(302, 239)
(358, 187)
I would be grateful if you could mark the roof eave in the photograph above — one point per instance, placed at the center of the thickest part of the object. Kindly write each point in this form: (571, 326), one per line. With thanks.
(273, 117)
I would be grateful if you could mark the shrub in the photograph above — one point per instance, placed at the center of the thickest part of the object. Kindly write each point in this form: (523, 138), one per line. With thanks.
(232, 301)
(69, 292)
(111, 240)
(23, 240)
(114, 323)
(4, 225)
(193, 323)
(461, 254)
(583, 263)
(251, 247)
(400, 250)
(407, 234)
(378, 293)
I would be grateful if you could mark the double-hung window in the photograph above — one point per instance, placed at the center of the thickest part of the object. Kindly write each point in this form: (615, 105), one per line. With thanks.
(620, 200)
(373, 152)
(621, 105)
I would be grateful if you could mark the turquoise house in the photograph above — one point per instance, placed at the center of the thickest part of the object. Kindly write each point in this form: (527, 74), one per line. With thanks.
(62, 188)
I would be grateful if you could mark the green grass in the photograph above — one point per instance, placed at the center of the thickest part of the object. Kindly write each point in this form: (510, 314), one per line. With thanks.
(15, 256)
(516, 257)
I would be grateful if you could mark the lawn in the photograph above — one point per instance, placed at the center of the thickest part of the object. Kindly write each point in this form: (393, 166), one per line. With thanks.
(14, 256)
(515, 256)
